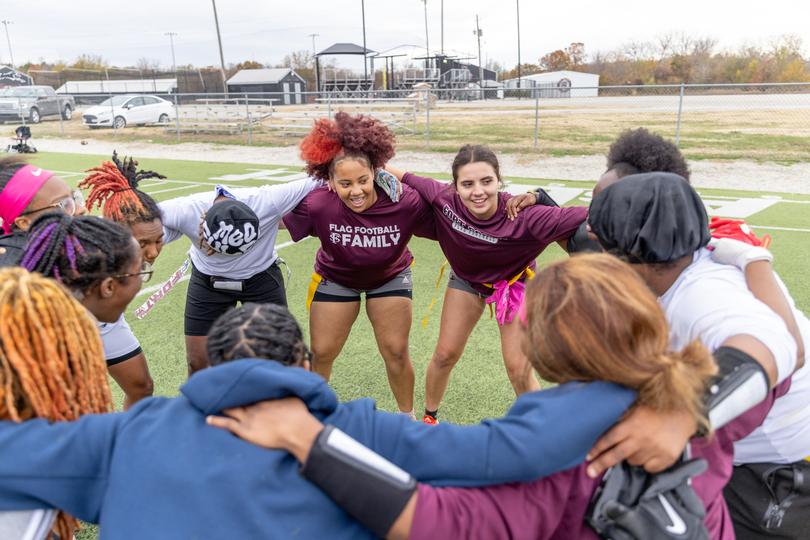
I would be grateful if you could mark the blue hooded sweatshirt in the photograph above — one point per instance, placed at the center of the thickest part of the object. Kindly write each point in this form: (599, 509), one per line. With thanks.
(159, 471)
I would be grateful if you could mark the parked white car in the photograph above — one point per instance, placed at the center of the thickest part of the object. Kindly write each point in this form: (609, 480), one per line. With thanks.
(123, 111)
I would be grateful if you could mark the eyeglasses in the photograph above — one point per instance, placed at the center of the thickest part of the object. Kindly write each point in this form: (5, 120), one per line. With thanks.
(67, 205)
(145, 273)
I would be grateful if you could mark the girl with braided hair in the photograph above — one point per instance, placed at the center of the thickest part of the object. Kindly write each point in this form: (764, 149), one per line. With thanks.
(364, 236)
(51, 367)
(114, 188)
(101, 264)
(27, 192)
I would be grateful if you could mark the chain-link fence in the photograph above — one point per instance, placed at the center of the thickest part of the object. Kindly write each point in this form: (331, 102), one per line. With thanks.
(754, 121)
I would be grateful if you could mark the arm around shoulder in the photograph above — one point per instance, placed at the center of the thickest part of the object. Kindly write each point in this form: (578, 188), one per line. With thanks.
(57, 465)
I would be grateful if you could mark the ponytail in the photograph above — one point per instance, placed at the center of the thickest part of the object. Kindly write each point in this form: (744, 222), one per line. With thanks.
(592, 318)
(680, 382)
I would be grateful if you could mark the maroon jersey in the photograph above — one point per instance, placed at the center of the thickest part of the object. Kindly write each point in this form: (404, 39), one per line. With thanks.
(361, 250)
(487, 251)
(554, 508)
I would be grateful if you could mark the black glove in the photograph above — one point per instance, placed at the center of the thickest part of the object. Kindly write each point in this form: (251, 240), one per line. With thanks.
(544, 199)
(580, 242)
(632, 504)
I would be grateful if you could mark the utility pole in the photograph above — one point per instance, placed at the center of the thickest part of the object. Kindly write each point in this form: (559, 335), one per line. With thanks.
(176, 88)
(219, 41)
(427, 37)
(171, 42)
(313, 36)
(478, 33)
(8, 39)
(365, 58)
(517, 2)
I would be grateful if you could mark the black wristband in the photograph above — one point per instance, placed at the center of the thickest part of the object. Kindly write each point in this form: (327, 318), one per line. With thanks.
(741, 382)
(369, 488)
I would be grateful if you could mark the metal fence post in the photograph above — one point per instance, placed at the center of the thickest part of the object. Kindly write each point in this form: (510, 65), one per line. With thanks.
(176, 117)
(249, 123)
(678, 121)
(61, 118)
(23, 117)
(536, 117)
(427, 117)
(329, 104)
(112, 115)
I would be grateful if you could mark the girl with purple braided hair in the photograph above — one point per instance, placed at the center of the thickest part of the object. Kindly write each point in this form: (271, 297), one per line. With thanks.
(100, 262)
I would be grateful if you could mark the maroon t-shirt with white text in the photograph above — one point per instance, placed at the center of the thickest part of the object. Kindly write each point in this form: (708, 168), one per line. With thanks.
(361, 250)
(487, 251)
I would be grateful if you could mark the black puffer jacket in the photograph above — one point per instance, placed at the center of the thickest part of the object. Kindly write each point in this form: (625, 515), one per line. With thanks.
(11, 248)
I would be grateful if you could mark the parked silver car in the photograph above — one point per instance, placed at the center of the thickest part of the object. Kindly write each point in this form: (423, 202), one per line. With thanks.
(127, 110)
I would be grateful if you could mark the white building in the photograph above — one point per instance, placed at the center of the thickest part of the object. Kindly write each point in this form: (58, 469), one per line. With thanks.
(129, 86)
(559, 84)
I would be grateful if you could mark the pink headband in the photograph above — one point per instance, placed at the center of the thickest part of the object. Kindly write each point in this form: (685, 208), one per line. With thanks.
(18, 193)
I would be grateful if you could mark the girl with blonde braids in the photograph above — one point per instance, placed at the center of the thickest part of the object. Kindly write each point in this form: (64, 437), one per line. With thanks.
(51, 366)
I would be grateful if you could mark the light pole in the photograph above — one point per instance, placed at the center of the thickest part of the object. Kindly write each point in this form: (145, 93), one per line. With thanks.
(442, 34)
(517, 2)
(171, 42)
(219, 41)
(313, 36)
(365, 59)
(8, 39)
(478, 33)
(176, 88)
(427, 36)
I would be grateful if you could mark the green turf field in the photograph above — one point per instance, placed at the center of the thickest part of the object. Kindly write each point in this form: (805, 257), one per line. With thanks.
(479, 387)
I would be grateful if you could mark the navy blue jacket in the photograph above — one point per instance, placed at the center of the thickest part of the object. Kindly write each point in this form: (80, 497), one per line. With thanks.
(159, 471)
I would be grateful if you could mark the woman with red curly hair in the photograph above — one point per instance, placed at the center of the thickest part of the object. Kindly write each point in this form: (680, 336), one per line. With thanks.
(491, 256)
(364, 236)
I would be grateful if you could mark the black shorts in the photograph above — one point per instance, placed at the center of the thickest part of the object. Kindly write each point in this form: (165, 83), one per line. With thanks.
(770, 500)
(205, 302)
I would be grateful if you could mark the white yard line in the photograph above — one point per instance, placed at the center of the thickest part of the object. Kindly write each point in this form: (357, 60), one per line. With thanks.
(779, 228)
(153, 288)
(173, 189)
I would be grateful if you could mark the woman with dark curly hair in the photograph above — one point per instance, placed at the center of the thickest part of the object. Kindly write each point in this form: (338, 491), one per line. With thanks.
(364, 237)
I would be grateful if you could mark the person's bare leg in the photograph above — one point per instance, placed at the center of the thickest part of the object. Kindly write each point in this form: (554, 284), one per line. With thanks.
(329, 327)
(518, 369)
(460, 313)
(132, 375)
(390, 317)
(196, 353)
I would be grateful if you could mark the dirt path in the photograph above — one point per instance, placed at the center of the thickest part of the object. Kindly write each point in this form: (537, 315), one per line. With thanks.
(745, 175)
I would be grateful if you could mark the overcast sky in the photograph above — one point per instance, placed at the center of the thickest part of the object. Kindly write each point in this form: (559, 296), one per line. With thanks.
(124, 31)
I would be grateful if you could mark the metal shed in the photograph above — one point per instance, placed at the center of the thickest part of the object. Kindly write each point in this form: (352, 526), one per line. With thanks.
(283, 85)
